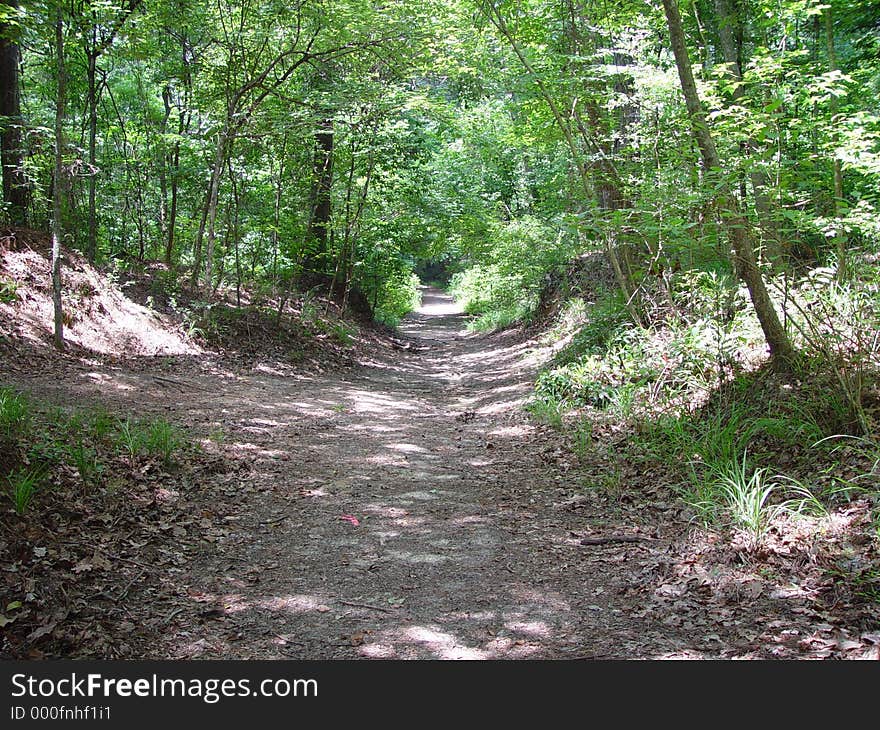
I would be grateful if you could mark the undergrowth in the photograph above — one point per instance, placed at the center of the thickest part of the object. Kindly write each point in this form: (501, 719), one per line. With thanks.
(47, 446)
(743, 445)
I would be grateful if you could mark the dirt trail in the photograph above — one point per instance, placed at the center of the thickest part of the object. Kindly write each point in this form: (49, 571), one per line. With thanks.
(406, 508)
(412, 515)
(409, 508)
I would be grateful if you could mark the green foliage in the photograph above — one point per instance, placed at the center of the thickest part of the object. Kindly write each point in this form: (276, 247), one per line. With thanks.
(8, 290)
(155, 437)
(499, 319)
(15, 413)
(100, 423)
(130, 437)
(582, 439)
(546, 411)
(399, 296)
(23, 484)
(85, 460)
(747, 497)
(505, 285)
(163, 440)
(837, 322)
(81, 443)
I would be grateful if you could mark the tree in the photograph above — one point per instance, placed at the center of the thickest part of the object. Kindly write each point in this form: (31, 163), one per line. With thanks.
(15, 188)
(59, 184)
(97, 32)
(738, 228)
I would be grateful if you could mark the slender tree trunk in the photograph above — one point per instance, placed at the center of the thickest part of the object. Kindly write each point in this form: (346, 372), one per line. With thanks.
(276, 210)
(182, 128)
(731, 37)
(740, 234)
(92, 103)
(236, 202)
(15, 190)
(197, 246)
(172, 210)
(210, 214)
(58, 187)
(165, 163)
(213, 199)
(837, 170)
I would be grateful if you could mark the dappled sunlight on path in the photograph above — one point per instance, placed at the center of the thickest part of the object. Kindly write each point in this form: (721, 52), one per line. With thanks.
(403, 516)
(405, 509)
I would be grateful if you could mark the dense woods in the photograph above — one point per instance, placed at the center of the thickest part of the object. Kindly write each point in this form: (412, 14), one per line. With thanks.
(340, 144)
(679, 199)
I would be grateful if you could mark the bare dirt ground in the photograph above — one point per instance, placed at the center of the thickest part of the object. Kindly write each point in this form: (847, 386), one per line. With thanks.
(408, 508)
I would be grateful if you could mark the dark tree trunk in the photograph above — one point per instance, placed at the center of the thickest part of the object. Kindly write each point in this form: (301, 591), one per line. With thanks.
(92, 103)
(15, 190)
(182, 129)
(322, 188)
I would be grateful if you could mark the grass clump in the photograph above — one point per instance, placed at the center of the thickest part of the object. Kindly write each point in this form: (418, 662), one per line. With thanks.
(157, 438)
(15, 413)
(8, 290)
(79, 448)
(163, 440)
(23, 484)
(746, 498)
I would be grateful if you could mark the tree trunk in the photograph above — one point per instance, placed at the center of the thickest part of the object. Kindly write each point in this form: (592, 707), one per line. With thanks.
(92, 103)
(276, 209)
(172, 211)
(15, 190)
(236, 201)
(58, 186)
(197, 246)
(740, 233)
(214, 194)
(319, 223)
(837, 171)
(182, 128)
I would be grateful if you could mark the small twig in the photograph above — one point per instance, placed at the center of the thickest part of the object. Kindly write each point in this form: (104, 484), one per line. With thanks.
(128, 586)
(163, 379)
(121, 559)
(273, 521)
(366, 605)
(172, 614)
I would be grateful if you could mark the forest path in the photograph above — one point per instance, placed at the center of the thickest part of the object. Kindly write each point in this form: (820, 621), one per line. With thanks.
(404, 508)
(409, 510)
